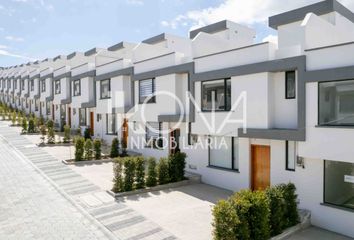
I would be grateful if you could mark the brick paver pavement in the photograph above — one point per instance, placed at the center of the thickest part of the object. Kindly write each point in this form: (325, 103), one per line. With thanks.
(38, 190)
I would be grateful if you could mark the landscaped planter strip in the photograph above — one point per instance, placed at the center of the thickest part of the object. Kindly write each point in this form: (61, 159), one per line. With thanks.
(73, 162)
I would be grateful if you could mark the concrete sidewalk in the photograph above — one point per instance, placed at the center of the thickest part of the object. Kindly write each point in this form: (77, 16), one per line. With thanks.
(318, 233)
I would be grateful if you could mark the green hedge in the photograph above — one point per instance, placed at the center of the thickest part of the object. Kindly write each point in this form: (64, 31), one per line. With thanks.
(256, 215)
(79, 148)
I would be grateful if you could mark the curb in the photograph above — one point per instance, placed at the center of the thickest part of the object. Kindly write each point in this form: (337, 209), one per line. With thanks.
(86, 162)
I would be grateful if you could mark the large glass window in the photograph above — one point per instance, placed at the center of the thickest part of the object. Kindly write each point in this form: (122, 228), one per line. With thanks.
(111, 123)
(336, 103)
(105, 87)
(82, 116)
(57, 86)
(43, 85)
(290, 85)
(32, 84)
(147, 90)
(77, 88)
(153, 134)
(339, 184)
(216, 95)
(223, 152)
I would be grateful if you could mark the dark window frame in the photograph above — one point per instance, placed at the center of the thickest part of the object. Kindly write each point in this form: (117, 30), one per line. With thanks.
(287, 158)
(233, 169)
(43, 85)
(32, 85)
(79, 93)
(226, 108)
(55, 87)
(153, 86)
(286, 84)
(109, 88)
(80, 117)
(115, 124)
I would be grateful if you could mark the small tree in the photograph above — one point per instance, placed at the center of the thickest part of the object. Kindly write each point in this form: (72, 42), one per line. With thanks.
(291, 215)
(129, 170)
(97, 147)
(51, 136)
(114, 148)
(31, 126)
(79, 148)
(162, 171)
(87, 133)
(24, 125)
(43, 131)
(277, 209)
(118, 183)
(176, 165)
(151, 180)
(14, 118)
(40, 121)
(88, 149)
(50, 124)
(35, 123)
(139, 172)
(67, 135)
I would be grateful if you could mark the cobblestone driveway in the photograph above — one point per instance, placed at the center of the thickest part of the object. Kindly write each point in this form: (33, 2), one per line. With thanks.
(41, 198)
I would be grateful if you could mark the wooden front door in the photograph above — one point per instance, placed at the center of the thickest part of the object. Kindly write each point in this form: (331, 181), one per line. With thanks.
(125, 132)
(92, 123)
(69, 116)
(260, 167)
(174, 141)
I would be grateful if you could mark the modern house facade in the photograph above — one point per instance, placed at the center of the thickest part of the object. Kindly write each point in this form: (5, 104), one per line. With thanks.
(248, 115)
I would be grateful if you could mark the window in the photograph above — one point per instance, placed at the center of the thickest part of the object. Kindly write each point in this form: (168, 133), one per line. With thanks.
(57, 86)
(15, 84)
(48, 107)
(335, 101)
(147, 90)
(32, 84)
(77, 87)
(36, 104)
(111, 123)
(290, 85)
(43, 85)
(223, 152)
(9, 83)
(290, 151)
(339, 184)
(105, 88)
(153, 135)
(216, 95)
(82, 116)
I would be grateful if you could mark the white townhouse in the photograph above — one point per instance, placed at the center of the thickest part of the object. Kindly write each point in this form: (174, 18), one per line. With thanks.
(83, 89)
(161, 71)
(114, 96)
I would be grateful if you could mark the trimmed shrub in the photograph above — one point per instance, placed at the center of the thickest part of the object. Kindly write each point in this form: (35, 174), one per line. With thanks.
(14, 118)
(79, 148)
(40, 121)
(50, 136)
(87, 133)
(118, 183)
(67, 135)
(50, 124)
(24, 125)
(114, 148)
(129, 173)
(139, 172)
(177, 163)
(163, 171)
(43, 132)
(31, 126)
(97, 148)
(88, 149)
(151, 180)
(291, 215)
(277, 209)
(226, 221)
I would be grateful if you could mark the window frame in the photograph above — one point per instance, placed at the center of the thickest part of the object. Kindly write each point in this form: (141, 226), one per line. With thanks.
(55, 87)
(80, 117)
(286, 84)
(79, 93)
(232, 169)
(32, 85)
(287, 157)
(318, 106)
(115, 124)
(109, 88)
(43, 85)
(153, 86)
(226, 108)
(155, 144)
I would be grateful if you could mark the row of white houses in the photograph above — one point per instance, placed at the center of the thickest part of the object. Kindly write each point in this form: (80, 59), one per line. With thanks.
(295, 100)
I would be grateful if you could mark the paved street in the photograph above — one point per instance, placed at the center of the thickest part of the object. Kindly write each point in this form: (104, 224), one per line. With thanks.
(41, 198)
